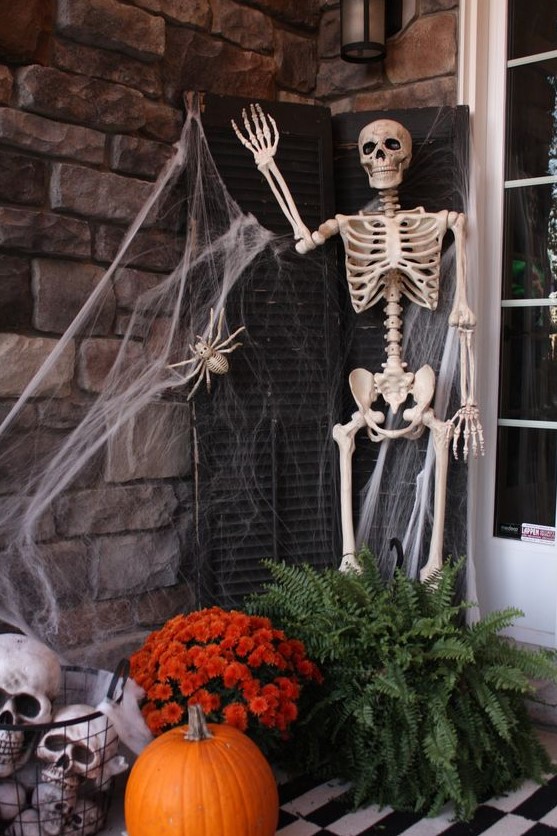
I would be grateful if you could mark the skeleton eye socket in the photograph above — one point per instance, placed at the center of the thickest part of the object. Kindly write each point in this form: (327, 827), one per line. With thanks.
(55, 743)
(82, 754)
(392, 144)
(369, 147)
(27, 706)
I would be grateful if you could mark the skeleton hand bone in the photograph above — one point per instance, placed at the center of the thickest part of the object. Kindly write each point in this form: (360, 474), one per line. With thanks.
(466, 423)
(261, 138)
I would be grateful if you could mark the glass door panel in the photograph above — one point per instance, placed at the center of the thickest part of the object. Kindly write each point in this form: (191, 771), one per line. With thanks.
(530, 242)
(531, 120)
(528, 388)
(525, 484)
(532, 27)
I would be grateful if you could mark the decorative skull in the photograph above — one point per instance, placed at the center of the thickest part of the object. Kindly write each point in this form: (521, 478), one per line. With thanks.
(385, 152)
(55, 803)
(77, 749)
(12, 799)
(27, 823)
(30, 676)
(87, 818)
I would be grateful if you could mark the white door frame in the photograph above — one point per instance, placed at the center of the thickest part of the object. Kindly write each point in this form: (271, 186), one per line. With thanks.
(508, 572)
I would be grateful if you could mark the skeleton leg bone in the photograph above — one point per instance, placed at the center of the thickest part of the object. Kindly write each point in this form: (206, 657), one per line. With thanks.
(344, 435)
(438, 431)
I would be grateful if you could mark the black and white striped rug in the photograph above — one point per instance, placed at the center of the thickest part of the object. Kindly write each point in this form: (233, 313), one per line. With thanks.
(309, 807)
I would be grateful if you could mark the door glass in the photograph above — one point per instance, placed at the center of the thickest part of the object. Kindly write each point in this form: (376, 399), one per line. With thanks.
(526, 484)
(528, 381)
(531, 120)
(532, 27)
(530, 242)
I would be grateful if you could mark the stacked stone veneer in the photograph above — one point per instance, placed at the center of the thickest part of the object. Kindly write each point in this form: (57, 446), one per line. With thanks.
(90, 105)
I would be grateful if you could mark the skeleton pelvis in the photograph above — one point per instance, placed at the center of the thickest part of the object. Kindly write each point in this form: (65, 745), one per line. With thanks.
(394, 385)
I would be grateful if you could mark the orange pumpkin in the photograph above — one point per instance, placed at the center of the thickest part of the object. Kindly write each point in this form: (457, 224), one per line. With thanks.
(201, 780)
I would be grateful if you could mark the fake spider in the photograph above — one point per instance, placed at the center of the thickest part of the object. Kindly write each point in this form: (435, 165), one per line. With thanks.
(208, 355)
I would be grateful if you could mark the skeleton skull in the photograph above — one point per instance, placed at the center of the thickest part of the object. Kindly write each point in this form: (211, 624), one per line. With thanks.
(54, 803)
(12, 799)
(30, 676)
(77, 749)
(87, 818)
(27, 823)
(385, 153)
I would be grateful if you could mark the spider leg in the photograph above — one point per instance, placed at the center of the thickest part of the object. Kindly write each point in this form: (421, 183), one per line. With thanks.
(228, 350)
(211, 326)
(182, 363)
(208, 377)
(181, 380)
(185, 362)
(200, 376)
(229, 339)
(219, 328)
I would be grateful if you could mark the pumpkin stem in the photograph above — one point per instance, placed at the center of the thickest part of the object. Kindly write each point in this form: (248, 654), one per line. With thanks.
(197, 726)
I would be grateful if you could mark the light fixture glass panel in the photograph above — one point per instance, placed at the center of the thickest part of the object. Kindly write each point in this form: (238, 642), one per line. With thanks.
(362, 30)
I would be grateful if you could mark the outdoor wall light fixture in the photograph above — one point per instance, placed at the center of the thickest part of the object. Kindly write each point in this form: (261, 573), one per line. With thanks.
(364, 27)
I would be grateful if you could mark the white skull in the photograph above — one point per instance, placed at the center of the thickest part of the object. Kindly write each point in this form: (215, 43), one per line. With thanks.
(385, 152)
(30, 676)
(27, 823)
(78, 748)
(55, 802)
(12, 799)
(87, 818)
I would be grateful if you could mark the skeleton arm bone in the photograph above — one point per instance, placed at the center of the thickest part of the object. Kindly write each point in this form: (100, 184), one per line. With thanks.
(261, 138)
(466, 420)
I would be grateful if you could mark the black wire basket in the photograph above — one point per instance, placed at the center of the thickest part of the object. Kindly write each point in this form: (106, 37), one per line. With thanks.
(56, 777)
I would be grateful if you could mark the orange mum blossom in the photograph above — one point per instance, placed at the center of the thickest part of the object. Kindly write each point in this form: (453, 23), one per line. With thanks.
(238, 667)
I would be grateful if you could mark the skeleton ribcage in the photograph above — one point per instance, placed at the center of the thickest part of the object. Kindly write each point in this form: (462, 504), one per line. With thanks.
(409, 243)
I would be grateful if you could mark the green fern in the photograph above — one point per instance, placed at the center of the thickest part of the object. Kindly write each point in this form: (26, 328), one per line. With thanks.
(417, 708)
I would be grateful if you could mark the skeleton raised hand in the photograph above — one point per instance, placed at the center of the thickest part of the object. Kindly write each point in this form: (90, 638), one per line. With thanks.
(261, 138)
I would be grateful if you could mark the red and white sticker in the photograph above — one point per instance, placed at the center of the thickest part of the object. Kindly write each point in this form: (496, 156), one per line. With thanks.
(538, 533)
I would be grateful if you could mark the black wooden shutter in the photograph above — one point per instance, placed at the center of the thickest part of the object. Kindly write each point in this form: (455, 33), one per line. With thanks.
(266, 486)
(270, 491)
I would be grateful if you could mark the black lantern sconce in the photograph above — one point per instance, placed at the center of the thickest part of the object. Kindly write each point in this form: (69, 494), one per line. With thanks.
(364, 27)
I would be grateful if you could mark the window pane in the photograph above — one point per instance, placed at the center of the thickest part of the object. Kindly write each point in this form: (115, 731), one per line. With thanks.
(532, 27)
(528, 383)
(525, 486)
(530, 242)
(531, 120)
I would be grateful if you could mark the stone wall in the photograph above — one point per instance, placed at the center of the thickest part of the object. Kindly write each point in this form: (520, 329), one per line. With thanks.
(419, 69)
(90, 104)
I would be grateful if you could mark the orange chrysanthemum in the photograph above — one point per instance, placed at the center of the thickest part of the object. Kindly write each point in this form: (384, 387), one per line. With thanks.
(238, 667)
(236, 715)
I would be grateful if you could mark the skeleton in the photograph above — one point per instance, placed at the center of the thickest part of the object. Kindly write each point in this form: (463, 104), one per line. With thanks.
(30, 676)
(389, 254)
(209, 355)
(80, 751)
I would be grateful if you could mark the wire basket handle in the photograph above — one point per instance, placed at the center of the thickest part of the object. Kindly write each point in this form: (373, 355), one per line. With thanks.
(121, 673)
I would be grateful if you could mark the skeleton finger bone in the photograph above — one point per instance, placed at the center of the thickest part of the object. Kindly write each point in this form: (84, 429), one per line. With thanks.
(466, 422)
(260, 141)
